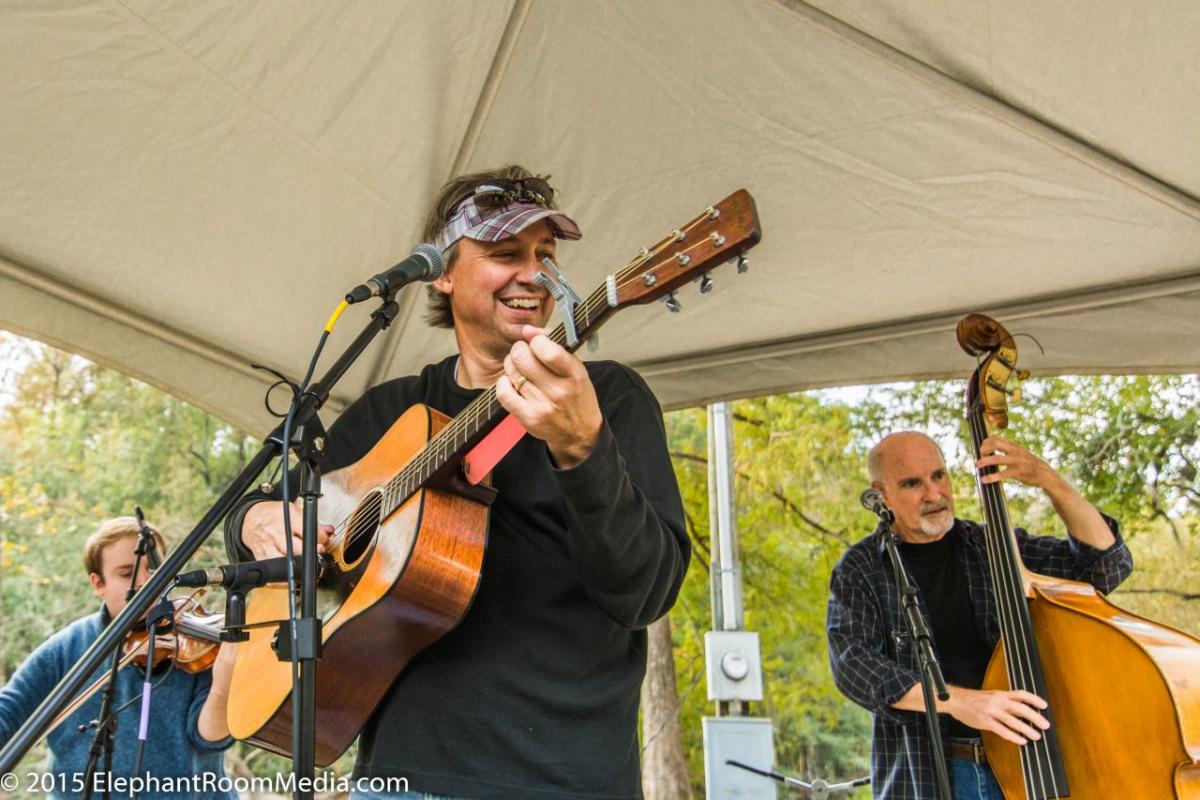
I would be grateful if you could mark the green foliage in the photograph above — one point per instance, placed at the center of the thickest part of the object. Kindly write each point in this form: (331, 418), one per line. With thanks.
(80, 444)
(1129, 443)
(796, 463)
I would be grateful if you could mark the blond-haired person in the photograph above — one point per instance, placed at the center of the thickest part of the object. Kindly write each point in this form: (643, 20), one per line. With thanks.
(187, 734)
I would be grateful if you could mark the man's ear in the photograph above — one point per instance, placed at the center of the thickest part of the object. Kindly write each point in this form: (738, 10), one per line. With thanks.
(444, 283)
(97, 584)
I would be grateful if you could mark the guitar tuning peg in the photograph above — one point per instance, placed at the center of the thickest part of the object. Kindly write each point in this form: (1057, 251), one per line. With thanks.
(743, 263)
(706, 284)
(1015, 394)
(1022, 374)
(671, 303)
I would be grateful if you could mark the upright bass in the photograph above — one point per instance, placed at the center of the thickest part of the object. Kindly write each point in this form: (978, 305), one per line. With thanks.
(1123, 691)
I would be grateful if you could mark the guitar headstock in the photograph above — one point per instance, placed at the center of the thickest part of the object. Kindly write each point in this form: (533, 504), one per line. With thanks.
(721, 233)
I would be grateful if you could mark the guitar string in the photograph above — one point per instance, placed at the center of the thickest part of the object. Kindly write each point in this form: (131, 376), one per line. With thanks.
(485, 406)
(423, 457)
(1036, 759)
(477, 411)
(594, 302)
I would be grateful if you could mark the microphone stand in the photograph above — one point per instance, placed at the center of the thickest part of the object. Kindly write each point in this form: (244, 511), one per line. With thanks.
(931, 670)
(300, 637)
(114, 634)
(817, 790)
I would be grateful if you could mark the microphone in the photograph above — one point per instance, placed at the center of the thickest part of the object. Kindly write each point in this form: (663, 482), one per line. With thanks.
(246, 575)
(153, 559)
(872, 500)
(425, 263)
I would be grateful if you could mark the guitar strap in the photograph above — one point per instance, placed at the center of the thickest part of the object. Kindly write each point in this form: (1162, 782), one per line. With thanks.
(483, 457)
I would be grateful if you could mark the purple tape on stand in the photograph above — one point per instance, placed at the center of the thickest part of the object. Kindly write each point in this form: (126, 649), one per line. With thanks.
(145, 723)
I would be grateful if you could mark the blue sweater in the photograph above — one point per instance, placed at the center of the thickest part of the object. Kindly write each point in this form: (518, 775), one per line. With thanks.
(174, 747)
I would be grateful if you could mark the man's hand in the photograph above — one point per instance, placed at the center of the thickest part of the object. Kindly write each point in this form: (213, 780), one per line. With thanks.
(262, 531)
(1011, 715)
(549, 392)
(1015, 462)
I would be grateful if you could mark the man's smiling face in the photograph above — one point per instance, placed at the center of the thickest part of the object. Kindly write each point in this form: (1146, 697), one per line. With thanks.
(492, 289)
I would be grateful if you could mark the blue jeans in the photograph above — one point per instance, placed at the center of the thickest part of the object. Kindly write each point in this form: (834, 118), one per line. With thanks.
(971, 781)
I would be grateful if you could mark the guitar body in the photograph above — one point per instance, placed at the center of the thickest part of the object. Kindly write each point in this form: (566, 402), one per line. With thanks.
(1125, 694)
(390, 595)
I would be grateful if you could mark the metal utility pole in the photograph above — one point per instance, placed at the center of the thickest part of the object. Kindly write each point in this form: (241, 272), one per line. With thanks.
(733, 663)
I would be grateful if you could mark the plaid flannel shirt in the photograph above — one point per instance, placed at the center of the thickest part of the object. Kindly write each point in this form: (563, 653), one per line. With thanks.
(874, 662)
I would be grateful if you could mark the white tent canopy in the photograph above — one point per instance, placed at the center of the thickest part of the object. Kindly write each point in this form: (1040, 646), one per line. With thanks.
(186, 188)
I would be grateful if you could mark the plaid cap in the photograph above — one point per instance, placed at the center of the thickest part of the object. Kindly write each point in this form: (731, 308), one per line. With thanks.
(494, 224)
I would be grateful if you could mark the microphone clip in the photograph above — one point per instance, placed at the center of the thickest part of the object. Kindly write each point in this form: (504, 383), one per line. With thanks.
(872, 500)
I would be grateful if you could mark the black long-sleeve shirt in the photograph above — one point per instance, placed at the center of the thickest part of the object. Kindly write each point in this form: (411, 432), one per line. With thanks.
(535, 693)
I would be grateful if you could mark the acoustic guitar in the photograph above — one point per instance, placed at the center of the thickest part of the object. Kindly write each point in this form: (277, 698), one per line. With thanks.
(410, 531)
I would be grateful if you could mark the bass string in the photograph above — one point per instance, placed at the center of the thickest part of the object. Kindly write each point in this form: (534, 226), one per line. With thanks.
(1008, 587)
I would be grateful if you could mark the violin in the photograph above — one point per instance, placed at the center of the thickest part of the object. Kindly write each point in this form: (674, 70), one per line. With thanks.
(191, 645)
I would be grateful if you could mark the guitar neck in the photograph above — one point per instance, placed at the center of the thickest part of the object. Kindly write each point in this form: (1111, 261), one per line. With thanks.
(718, 234)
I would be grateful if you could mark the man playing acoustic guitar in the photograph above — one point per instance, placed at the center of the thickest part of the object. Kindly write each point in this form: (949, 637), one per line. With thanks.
(535, 693)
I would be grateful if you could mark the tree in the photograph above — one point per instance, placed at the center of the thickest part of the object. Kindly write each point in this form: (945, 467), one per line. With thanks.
(80, 444)
(795, 463)
(664, 768)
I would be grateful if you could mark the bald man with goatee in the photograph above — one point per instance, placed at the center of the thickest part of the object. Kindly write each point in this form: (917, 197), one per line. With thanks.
(874, 662)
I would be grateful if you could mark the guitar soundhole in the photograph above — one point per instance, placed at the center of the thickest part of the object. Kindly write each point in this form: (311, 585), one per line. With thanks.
(364, 522)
